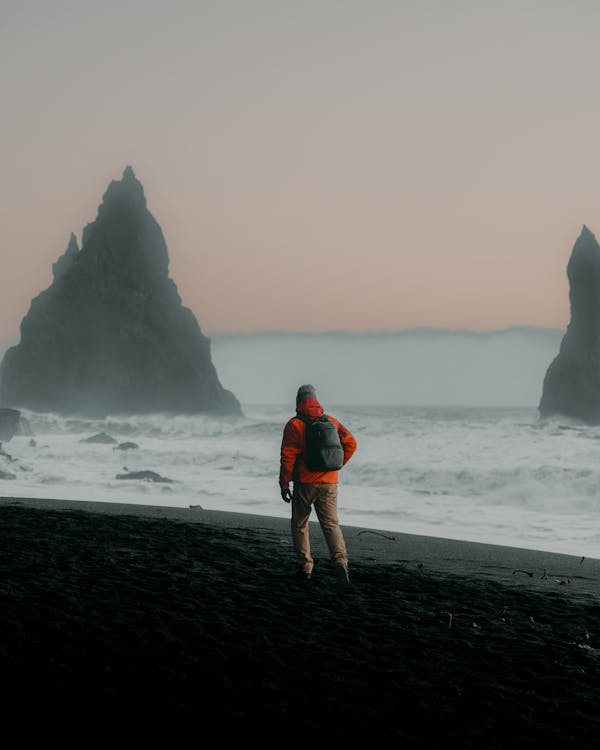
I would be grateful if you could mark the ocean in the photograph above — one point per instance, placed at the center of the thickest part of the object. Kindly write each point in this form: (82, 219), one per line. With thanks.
(492, 475)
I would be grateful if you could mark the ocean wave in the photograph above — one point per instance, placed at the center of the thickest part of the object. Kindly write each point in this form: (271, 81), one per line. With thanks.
(524, 485)
(494, 474)
(150, 425)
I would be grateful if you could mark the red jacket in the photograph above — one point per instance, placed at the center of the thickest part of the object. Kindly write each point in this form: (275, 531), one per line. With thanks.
(293, 466)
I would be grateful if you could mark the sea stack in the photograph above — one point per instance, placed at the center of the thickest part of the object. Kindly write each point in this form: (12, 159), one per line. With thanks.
(110, 334)
(9, 424)
(572, 383)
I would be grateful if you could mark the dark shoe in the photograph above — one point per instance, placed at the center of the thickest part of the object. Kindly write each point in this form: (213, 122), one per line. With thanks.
(343, 577)
(301, 576)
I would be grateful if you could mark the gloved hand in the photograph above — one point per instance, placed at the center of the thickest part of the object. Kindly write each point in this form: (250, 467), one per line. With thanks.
(286, 495)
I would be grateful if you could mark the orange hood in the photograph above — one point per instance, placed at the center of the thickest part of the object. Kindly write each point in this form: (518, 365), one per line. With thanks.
(310, 408)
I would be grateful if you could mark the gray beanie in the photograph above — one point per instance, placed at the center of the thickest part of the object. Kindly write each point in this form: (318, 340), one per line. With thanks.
(305, 391)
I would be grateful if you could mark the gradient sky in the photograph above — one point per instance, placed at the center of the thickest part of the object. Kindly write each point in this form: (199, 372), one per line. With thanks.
(314, 165)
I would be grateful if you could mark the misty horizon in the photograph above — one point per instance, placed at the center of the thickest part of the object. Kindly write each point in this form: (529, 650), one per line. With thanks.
(7, 340)
(412, 367)
(385, 331)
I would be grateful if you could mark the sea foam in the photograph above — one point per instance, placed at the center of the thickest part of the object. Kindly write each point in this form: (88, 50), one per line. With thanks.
(493, 475)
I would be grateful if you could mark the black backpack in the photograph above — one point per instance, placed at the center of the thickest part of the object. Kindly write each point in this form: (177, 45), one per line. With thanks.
(324, 451)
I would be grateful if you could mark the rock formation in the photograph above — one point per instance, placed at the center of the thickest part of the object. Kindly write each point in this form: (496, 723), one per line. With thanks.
(126, 446)
(572, 382)
(146, 474)
(101, 437)
(9, 423)
(110, 334)
(12, 423)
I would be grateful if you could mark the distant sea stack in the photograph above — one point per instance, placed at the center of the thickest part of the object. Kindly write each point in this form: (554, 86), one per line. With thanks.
(572, 382)
(110, 334)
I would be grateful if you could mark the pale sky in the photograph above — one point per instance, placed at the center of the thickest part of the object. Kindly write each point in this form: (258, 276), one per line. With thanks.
(314, 165)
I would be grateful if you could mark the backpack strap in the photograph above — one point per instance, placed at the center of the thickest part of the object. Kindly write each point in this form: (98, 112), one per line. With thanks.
(308, 420)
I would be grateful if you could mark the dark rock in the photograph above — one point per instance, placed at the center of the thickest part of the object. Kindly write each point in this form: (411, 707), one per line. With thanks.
(24, 428)
(110, 335)
(101, 437)
(151, 476)
(9, 423)
(127, 446)
(5, 455)
(7, 475)
(64, 263)
(571, 385)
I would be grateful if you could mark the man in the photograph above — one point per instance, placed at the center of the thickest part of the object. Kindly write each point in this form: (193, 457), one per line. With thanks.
(318, 488)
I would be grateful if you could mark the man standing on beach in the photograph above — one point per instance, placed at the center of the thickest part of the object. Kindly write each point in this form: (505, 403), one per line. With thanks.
(318, 488)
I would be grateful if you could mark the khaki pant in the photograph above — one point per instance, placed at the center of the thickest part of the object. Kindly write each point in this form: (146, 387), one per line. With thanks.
(324, 498)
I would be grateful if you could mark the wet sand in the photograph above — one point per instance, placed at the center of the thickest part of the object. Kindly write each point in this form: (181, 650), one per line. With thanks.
(123, 622)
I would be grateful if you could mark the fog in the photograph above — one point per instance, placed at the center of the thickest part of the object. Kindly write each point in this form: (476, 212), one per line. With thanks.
(411, 367)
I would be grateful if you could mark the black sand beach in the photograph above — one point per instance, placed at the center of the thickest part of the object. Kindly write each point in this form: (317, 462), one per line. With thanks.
(122, 622)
